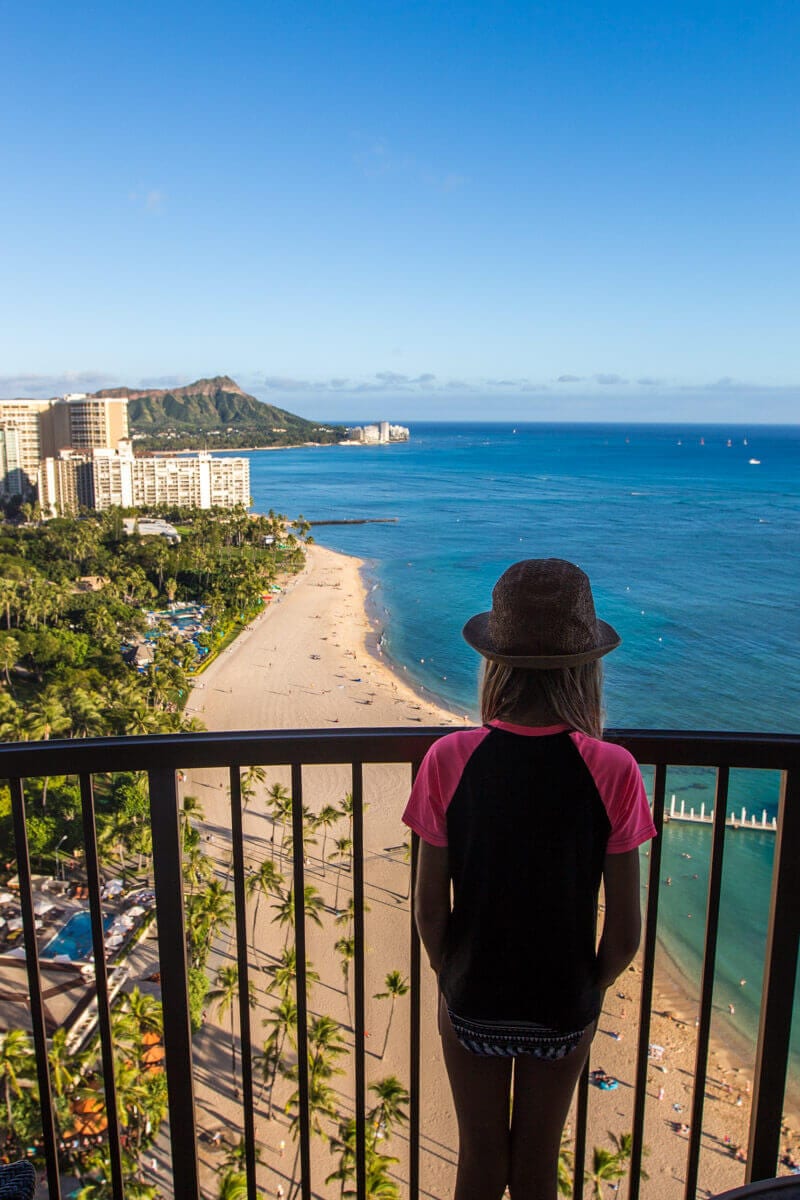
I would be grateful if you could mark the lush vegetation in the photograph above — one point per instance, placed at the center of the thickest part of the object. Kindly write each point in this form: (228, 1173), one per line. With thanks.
(215, 414)
(61, 668)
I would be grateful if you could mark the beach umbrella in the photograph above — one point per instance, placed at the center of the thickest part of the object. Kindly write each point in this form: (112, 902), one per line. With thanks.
(114, 887)
(90, 1126)
(114, 941)
(15, 923)
(154, 1055)
(7, 898)
(40, 907)
(136, 910)
(151, 1038)
(89, 1104)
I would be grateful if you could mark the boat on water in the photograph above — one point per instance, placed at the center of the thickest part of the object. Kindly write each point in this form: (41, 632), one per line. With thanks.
(754, 462)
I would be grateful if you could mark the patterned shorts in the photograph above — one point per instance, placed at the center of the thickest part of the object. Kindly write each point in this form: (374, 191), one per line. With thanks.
(508, 1039)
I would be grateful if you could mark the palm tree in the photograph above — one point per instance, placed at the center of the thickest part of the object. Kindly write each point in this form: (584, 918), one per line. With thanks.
(321, 1105)
(347, 806)
(264, 881)
(63, 1069)
(218, 907)
(285, 972)
(344, 853)
(9, 655)
(224, 996)
(346, 947)
(46, 715)
(309, 826)
(312, 903)
(565, 1167)
(325, 1043)
(623, 1147)
(395, 986)
(86, 715)
(191, 810)
(279, 801)
(606, 1168)
(283, 1024)
(346, 916)
(390, 1109)
(197, 867)
(251, 777)
(327, 816)
(145, 1010)
(378, 1184)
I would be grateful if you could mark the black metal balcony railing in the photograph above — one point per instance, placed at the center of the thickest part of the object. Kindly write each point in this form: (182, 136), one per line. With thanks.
(163, 757)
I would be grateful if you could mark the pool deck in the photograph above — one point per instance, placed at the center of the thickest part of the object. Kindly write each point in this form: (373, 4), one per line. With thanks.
(67, 987)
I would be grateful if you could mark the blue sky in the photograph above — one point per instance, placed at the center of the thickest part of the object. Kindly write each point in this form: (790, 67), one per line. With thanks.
(531, 210)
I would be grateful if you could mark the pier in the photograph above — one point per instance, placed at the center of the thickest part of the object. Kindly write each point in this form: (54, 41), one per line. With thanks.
(732, 821)
(359, 521)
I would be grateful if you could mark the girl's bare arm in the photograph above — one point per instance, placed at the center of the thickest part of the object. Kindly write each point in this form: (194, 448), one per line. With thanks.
(622, 927)
(432, 900)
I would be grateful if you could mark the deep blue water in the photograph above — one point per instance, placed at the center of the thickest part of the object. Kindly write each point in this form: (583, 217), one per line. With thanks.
(693, 553)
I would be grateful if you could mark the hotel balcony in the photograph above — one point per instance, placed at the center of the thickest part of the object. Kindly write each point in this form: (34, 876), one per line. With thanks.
(220, 760)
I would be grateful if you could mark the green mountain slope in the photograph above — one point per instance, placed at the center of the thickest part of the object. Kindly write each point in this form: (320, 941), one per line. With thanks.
(214, 413)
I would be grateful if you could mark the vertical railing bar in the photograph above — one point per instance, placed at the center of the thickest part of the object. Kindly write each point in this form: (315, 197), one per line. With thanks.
(415, 1030)
(237, 838)
(648, 967)
(707, 985)
(298, 883)
(777, 996)
(101, 984)
(581, 1117)
(173, 965)
(358, 980)
(38, 1024)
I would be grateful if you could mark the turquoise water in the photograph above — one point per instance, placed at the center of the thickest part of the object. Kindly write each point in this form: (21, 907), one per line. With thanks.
(692, 551)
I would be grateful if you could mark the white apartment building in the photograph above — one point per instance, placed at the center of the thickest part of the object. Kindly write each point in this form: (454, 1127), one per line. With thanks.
(378, 435)
(31, 442)
(13, 480)
(189, 481)
(108, 478)
(65, 484)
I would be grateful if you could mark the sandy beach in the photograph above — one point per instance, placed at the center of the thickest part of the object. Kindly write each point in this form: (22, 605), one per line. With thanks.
(307, 662)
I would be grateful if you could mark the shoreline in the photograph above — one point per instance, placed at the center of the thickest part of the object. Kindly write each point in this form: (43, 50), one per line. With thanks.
(311, 660)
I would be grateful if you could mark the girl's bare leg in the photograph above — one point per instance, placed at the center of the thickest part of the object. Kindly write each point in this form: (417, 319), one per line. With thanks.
(542, 1095)
(481, 1088)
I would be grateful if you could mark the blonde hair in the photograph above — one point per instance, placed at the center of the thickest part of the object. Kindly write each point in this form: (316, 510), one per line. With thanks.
(574, 694)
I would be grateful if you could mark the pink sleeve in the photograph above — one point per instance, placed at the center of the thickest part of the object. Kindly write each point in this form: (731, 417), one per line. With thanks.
(619, 782)
(437, 780)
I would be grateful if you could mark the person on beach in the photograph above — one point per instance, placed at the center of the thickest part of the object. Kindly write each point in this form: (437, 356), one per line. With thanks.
(522, 818)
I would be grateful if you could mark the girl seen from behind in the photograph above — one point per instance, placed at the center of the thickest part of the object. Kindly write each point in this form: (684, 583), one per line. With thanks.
(519, 822)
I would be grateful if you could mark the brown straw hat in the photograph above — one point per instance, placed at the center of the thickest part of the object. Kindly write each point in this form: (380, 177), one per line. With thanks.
(542, 618)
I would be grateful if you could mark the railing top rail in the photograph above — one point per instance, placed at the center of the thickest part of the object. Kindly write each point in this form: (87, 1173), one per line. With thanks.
(773, 751)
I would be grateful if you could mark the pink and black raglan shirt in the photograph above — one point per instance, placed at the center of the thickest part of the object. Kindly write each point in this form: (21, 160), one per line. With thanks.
(528, 816)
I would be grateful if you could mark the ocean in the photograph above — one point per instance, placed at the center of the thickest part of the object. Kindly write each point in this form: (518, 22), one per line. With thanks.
(691, 538)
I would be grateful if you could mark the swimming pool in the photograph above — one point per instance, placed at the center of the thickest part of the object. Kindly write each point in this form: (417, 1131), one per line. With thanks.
(75, 939)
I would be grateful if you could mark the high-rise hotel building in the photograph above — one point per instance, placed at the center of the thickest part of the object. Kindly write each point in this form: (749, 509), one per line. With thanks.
(76, 452)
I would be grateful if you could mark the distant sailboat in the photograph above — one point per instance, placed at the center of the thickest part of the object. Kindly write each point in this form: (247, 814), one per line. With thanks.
(754, 462)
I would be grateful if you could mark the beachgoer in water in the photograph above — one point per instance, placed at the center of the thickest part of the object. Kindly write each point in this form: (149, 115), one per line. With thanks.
(521, 978)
